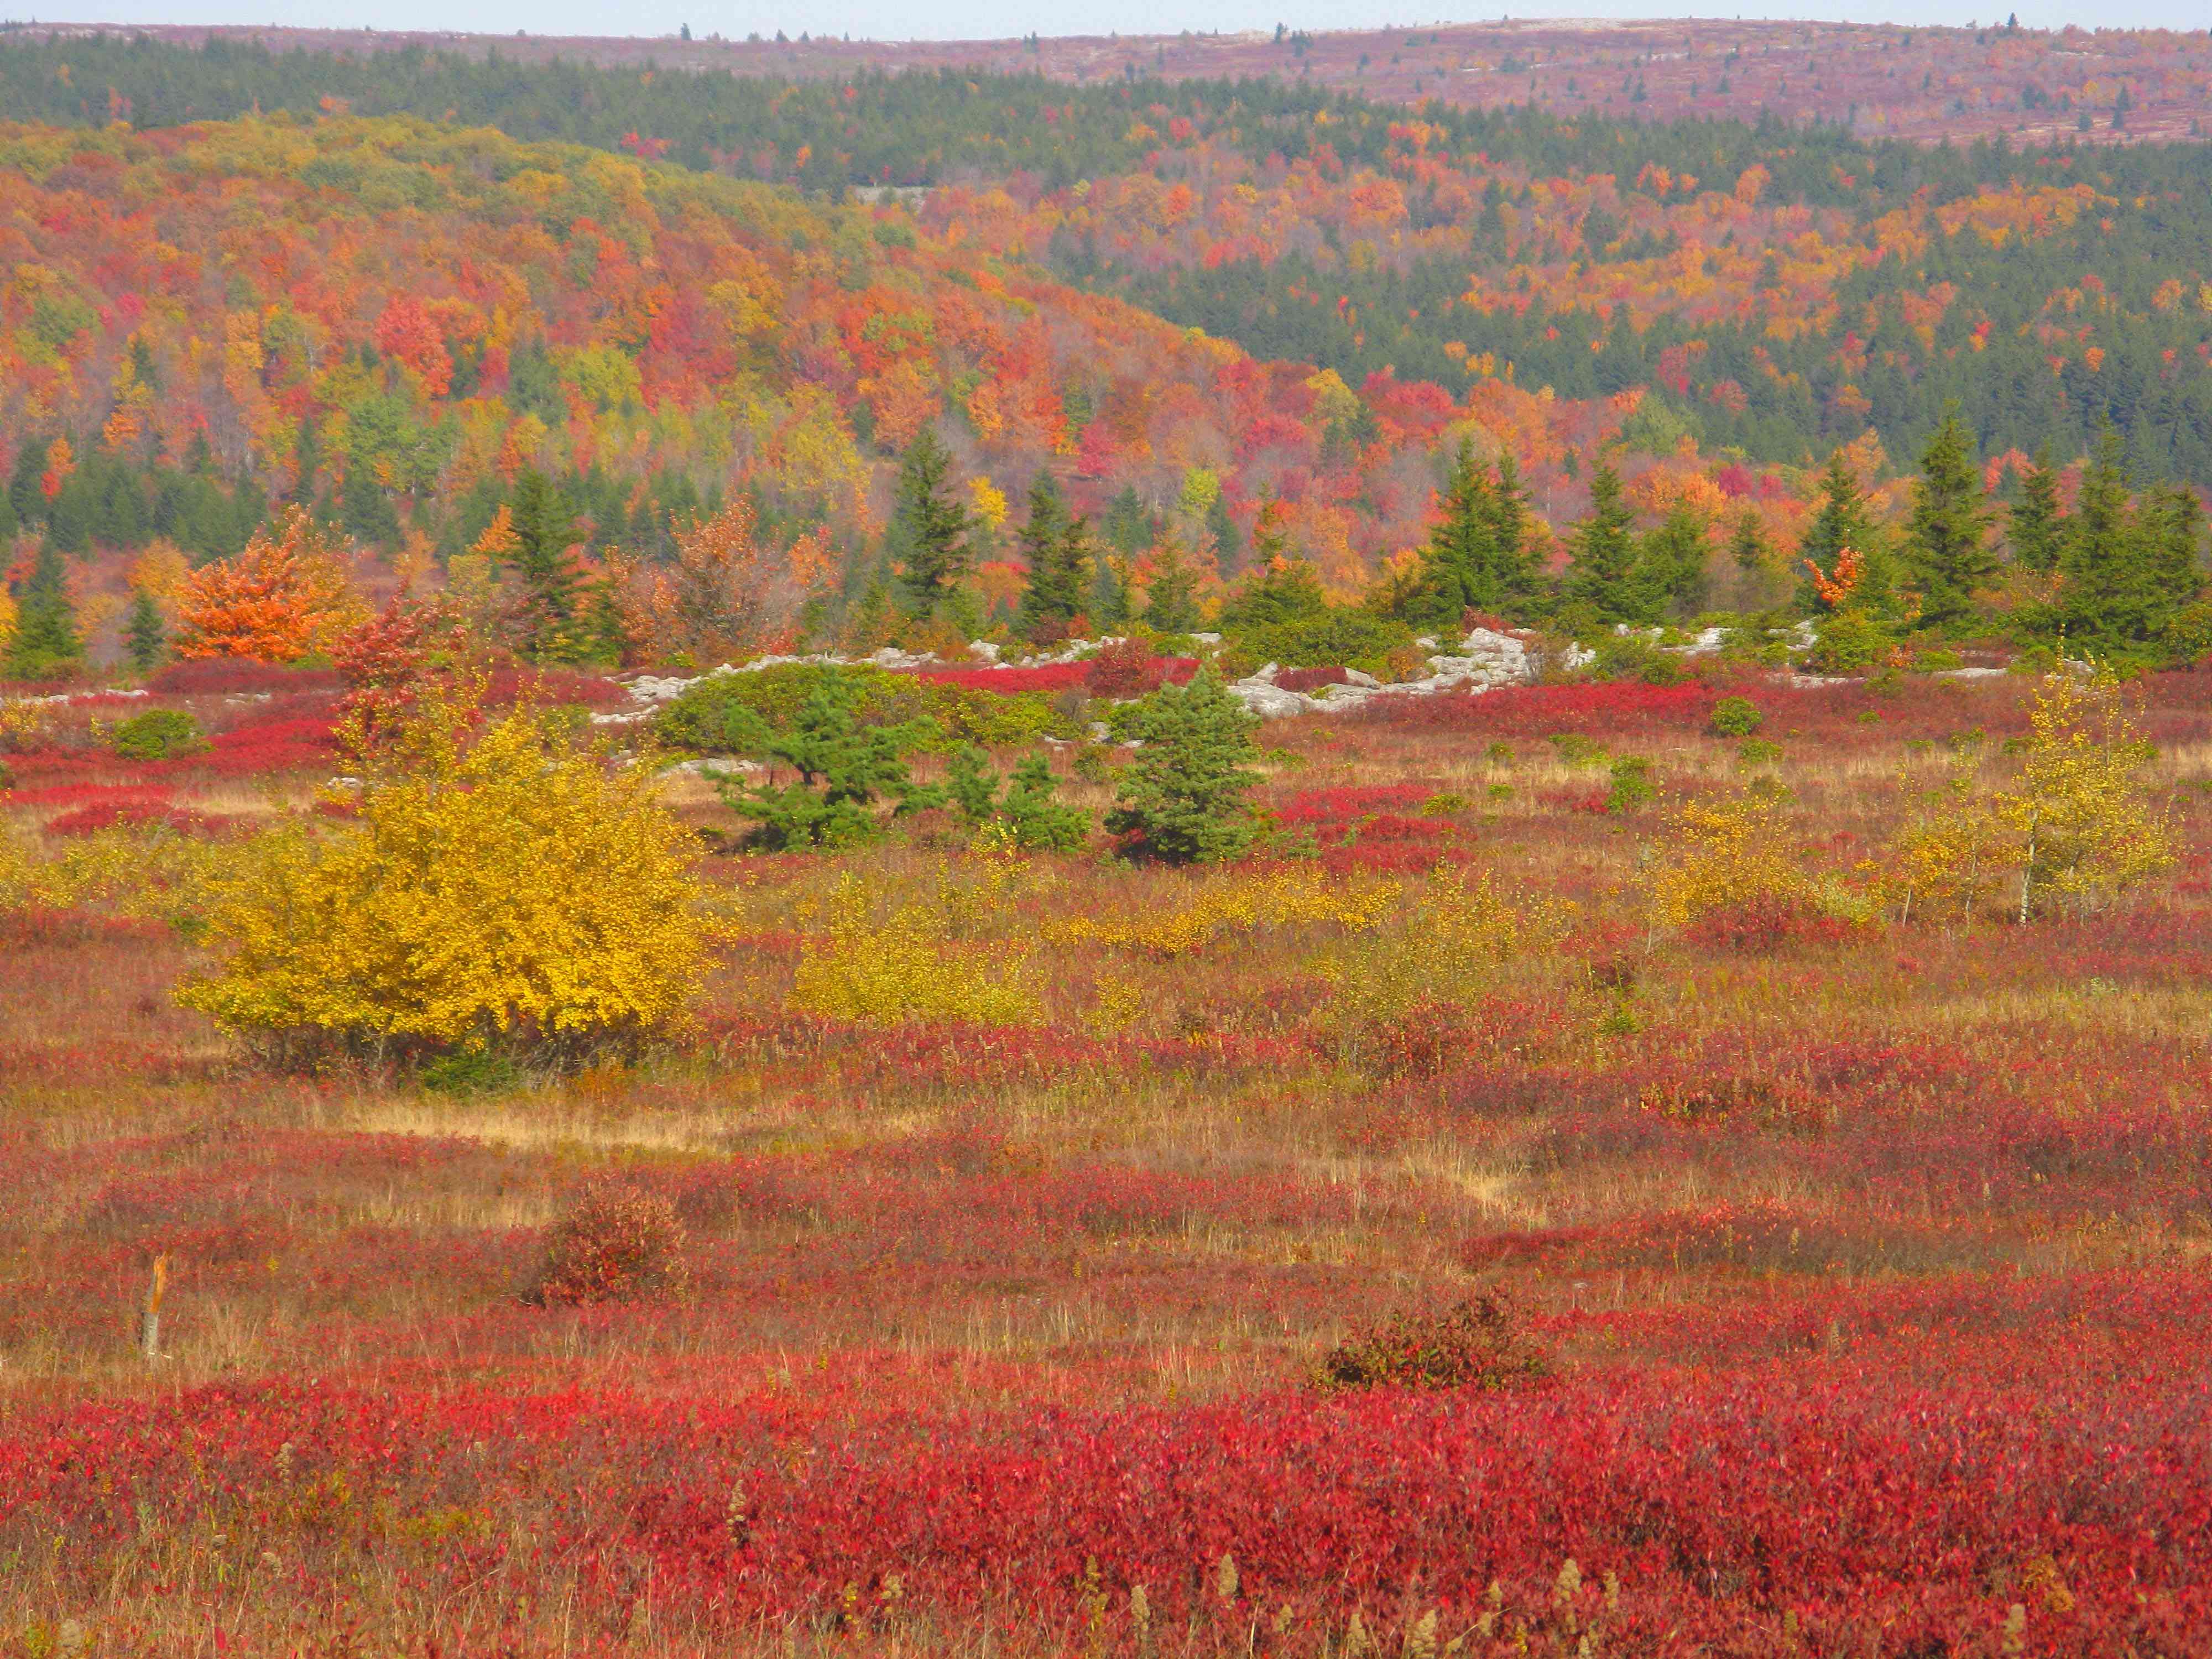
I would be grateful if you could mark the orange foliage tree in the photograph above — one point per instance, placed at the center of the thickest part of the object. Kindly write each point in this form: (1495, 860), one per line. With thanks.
(725, 594)
(283, 597)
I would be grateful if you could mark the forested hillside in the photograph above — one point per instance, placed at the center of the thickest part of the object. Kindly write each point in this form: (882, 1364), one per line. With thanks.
(387, 321)
(1780, 289)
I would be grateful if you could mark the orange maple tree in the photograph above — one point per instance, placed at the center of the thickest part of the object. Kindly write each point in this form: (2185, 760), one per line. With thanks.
(725, 594)
(282, 598)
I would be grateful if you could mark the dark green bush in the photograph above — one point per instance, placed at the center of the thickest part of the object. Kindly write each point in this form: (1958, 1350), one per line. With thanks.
(702, 719)
(157, 734)
(1736, 717)
(1849, 641)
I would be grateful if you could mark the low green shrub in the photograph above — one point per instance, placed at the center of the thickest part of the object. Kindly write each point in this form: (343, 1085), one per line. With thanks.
(157, 734)
(1736, 717)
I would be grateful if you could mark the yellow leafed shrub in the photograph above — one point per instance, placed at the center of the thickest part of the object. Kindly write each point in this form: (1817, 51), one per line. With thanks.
(1739, 855)
(905, 966)
(147, 875)
(503, 889)
(1238, 903)
(1447, 947)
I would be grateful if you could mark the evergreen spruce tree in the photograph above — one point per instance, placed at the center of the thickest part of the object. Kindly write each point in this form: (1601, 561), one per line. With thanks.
(1108, 606)
(2109, 592)
(145, 637)
(1170, 602)
(1947, 551)
(1052, 545)
(24, 494)
(365, 511)
(2174, 524)
(1183, 801)
(933, 525)
(2035, 526)
(1128, 527)
(1509, 529)
(45, 645)
(551, 626)
(1605, 553)
(1748, 543)
(1670, 567)
(1464, 567)
(1221, 531)
(1844, 521)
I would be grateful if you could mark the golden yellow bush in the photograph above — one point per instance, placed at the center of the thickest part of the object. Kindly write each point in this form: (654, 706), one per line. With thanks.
(1238, 901)
(1740, 852)
(907, 966)
(503, 888)
(1951, 855)
(149, 874)
(1446, 947)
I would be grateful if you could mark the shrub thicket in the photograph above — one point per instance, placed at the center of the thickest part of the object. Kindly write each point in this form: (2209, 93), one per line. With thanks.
(1483, 1342)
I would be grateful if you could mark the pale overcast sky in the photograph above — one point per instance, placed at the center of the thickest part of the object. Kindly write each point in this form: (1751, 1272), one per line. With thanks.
(899, 19)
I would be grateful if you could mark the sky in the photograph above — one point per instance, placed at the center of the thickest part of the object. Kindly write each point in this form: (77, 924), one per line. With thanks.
(902, 19)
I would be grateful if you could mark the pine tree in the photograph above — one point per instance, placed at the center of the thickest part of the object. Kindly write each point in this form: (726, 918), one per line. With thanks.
(45, 645)
(1183, 801)
(550, 626)
(365, 510)
(1108, 607)
(1844, 521)
(935, 526)
(2174, 522)
(1221, 531)
(1052, 545)
(1670, 567)
(1170, 602)
(2109, 594)
(145, 637)
(24, 494)
(2035, 526)
(1509, 529)
(1605, 553)
(1748, 543)
(1460, 568)
(1947, 554)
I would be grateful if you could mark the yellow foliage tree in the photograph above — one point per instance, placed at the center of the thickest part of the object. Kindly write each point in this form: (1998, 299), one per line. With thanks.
(2089, 831)
(504, 890)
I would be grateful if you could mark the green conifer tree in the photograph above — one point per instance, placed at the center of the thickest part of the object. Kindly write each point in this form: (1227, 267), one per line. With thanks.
(46, 644)
(2109, 593)
(1843, 521)
(2035, 526)
(1221, 532)
(1171, 601)
(1748, 543)
(933, 526)
(1052, 545)
(145, 636)
(1184, 800)
(1605, 553)
(1947, 551)
(1670, 567)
